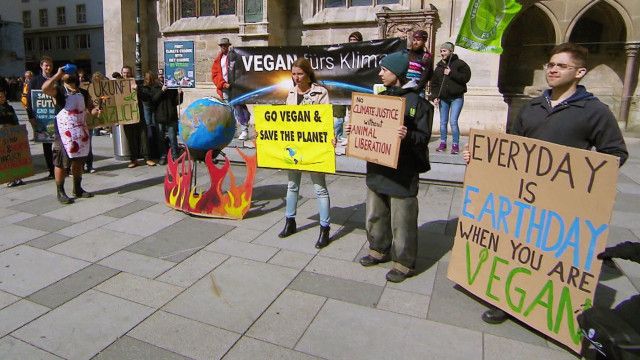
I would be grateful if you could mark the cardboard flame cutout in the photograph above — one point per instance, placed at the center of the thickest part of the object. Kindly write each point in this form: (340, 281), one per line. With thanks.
(180, 194)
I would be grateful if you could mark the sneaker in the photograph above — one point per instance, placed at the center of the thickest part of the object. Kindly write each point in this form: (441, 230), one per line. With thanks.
(442, 147)
(455, 149)
(150, 163)
(15, 183)
(243, 135)
(90, 170)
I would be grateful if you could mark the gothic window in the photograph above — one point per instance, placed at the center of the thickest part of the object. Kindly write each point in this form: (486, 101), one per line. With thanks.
(350, 3)
(197, 8)
(252, 11)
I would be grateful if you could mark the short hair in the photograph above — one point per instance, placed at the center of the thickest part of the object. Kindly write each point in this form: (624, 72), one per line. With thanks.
(29, 72)
(127, 67)
(578, 53)
(46, 59)
(356, 35)
(304, 64)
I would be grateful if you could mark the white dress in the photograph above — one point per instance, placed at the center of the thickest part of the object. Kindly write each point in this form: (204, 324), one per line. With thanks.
(72, 127)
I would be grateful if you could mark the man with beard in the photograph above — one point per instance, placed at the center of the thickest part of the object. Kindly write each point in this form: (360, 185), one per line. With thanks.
(420, 61)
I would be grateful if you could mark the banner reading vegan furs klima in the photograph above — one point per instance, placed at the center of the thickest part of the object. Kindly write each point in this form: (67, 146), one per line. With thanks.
(15, 155)
(375, 120)
(534, 216)
(118, 100)
(262, 75)
(295, 137)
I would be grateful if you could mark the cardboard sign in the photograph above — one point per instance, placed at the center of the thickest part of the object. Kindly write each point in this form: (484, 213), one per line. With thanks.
(375, 120)
(15, 156)
(179, 64)
(295, 137)
(534, 216)
(45, 113)
(118, 100)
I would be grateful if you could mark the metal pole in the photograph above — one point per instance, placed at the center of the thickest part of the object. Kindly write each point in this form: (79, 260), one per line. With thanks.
(138, 46)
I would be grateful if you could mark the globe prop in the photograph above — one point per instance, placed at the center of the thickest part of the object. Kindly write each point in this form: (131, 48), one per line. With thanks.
(207, 124)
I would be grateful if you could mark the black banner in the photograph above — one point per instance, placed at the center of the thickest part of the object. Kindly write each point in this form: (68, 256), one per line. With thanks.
(262, 75)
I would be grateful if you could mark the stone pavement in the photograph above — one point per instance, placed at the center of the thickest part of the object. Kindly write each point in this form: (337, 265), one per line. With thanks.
(122, 276)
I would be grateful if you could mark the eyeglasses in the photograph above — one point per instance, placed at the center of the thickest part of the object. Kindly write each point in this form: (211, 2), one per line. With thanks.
(551, 65)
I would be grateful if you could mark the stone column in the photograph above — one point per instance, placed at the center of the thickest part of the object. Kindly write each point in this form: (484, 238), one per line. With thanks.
(630, 80)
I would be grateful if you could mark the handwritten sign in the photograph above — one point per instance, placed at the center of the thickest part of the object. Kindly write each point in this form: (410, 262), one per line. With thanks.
(375, 120)
(45, 112)
(295, 137)
(534, 216)
(118, 100)
(15, 156)
(179, 64)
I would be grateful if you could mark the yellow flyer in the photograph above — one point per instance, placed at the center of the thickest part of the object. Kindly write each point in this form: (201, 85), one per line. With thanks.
(295, 137)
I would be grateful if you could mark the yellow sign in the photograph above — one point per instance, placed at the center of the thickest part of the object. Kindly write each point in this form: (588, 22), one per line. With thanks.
(295, 137)
(534, 216)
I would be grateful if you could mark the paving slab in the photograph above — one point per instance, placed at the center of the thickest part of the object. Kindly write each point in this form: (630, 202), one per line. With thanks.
(143, 223)
(217, 299)
(345, 244)
(87, 208)
(18, 314)
(183, 336)
(450, 304)
(14, 218)
(240, 233)
(71, 286)
(347, 331)
(39, 206)
(95, 244)
(13, 235)
(242, 249)
(47, 241)
(248, 348)
(128, 348)
(24, 270)
(284, 322)
(44, 223)
(403, 302)
(193, 268)
(336, 288)
(178, 242)
(7, 299)
(14, 349)
(137, 264)
(84, 326)
(497, 348)
(86, 225)
(130, 208)
(291, 259)
(348, 270)
(139, 289)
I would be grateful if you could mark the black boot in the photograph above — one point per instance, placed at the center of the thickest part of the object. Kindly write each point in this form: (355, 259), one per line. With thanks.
(78, 191)
(289, 228)
(323, 238)
(62, 196)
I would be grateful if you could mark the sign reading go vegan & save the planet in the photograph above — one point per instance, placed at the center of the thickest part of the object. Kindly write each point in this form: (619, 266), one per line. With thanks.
(534, 216)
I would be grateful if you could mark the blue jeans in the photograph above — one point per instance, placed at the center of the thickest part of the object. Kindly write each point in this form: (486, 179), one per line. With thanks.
(455, 107)
(152, 129)
(322, 194)
(338, 123)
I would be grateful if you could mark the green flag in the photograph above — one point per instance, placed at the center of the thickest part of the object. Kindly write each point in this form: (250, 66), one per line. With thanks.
(484, 24)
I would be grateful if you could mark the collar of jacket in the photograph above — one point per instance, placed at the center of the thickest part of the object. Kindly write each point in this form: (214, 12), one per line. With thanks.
(314, 89)
(578, 98)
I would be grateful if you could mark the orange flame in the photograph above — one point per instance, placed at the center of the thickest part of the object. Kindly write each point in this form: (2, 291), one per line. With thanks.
(233, 203)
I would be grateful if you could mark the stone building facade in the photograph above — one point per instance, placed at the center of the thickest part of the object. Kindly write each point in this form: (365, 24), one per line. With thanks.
(11, 47)
(500, 84)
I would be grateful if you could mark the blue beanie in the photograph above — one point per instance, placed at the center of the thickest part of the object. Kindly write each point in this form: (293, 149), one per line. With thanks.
(397, 63)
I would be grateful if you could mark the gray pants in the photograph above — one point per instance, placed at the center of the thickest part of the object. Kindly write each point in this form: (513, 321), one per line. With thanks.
(392, 227)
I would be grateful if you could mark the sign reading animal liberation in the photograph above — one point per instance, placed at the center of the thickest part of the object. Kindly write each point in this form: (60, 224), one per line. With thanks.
(534, 216)
(295, 137)
(45, 112)
(118, 101)
(15, 156)
(375, 120)
(179, 64)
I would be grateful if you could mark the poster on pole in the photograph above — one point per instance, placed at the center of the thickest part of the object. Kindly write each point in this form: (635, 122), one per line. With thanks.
(45, 112)
(375, 120)
(534, 216)
(295, 137)
(15, 155)
(179, 64)
(118, 101)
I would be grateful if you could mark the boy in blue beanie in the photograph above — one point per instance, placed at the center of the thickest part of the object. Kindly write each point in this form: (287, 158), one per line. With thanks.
(392, 205)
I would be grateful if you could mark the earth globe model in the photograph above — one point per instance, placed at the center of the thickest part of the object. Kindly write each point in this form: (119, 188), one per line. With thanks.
(207, 124)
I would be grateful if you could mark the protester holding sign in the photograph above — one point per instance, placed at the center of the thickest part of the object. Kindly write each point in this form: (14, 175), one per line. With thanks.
(150, 87)
(305, 91)
(8, 117)
(448, 85)
(392, 205)
(166, 103)
(71, 143)
(566, 114)
(136, 134)
(46, 65)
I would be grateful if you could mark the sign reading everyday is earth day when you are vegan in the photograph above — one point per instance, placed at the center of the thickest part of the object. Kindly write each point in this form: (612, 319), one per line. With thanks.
(375, 120)
(295, 137)
(534, 216)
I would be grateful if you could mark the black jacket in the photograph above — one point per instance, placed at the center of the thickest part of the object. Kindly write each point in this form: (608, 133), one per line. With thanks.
(450, 86)
(582, 121)
(414, 154)
(163, 103)
(8, 115)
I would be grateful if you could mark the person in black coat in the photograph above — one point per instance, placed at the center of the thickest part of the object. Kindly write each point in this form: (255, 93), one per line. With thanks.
(165, 102)
(448, 85)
